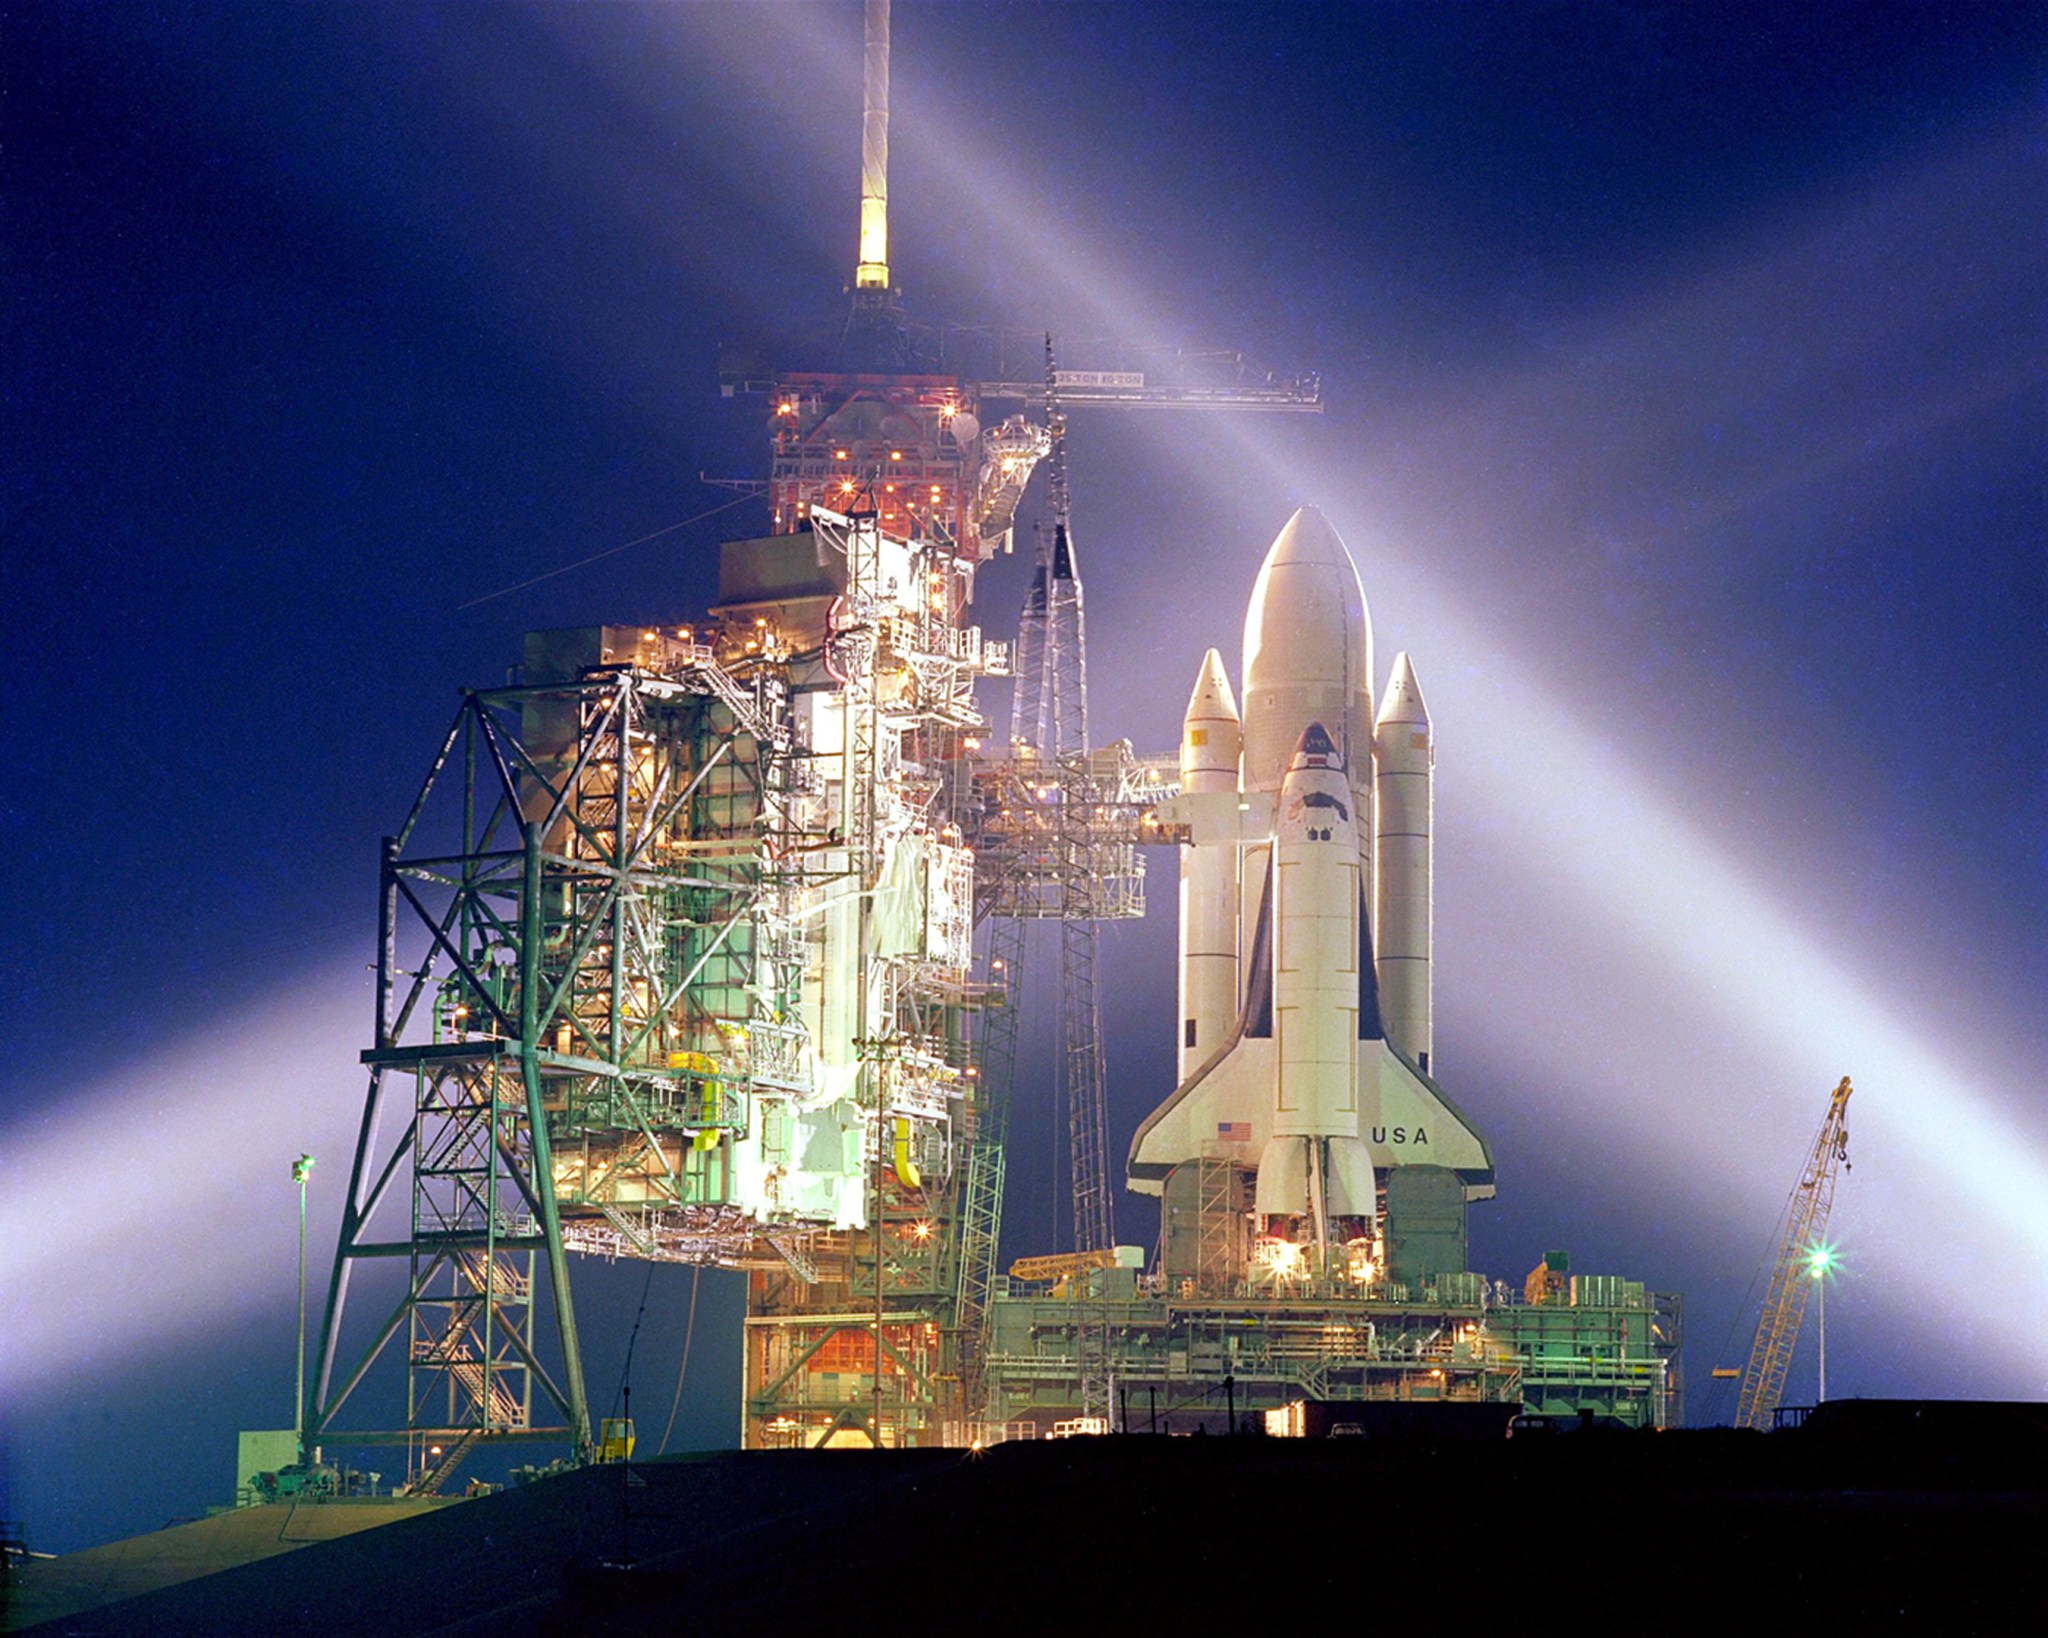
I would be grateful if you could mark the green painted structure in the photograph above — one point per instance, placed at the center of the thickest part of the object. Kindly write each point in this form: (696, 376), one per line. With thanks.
(1211, 1332)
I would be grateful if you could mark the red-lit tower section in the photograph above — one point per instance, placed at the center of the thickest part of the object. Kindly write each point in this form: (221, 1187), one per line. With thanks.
(907, 445)
(875, 436)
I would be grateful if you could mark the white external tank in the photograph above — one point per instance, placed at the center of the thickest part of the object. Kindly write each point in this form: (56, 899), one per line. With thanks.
(1307, 653)
(1307, 658)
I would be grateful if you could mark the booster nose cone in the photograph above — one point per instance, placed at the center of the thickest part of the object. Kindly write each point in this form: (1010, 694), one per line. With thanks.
(1210, 736)
(1403, 701)
(1212, 700)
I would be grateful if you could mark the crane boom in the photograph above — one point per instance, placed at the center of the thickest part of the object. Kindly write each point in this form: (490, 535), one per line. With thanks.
(1800, 1230)
(1220, 381)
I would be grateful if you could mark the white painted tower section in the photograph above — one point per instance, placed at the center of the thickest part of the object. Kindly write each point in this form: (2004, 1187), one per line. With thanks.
(1404, 763)
(1211, 740)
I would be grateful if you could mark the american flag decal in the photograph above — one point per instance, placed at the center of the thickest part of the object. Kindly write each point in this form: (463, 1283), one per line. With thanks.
(1234, 1131)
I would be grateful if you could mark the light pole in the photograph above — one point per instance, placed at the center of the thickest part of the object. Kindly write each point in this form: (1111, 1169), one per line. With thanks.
(1818, 1261)
(302, 1170)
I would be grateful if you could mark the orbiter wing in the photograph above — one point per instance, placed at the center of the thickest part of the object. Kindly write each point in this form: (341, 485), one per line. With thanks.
(1224, 1109)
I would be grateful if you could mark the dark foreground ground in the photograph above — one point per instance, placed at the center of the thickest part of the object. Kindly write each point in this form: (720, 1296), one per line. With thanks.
(1897, 1517)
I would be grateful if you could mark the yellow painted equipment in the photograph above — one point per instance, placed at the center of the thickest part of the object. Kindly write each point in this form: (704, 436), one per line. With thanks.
(615, 1440)
(1059, 1265)
(906, 1168)
(1546, 1281)
(709, 1093)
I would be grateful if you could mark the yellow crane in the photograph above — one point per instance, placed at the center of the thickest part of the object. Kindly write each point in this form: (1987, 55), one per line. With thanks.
(1800, 1234)
(1062, 1265)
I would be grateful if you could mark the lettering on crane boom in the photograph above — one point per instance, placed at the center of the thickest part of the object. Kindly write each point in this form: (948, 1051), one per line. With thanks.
(1099, 378)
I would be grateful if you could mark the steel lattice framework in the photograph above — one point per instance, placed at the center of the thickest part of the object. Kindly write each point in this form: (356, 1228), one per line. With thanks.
(579, 955)
(1055, 826)
(636, 998)
(1082, 1088)
(1800, 1232)
(1082, 1079)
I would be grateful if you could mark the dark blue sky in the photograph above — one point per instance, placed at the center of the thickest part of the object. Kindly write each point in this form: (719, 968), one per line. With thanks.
(1685, 368)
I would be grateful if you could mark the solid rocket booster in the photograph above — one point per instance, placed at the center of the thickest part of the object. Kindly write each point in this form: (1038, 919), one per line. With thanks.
(1404, 770)
(1211, 741)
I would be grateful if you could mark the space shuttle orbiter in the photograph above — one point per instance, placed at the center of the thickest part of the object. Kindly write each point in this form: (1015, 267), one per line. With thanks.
(1305, 916)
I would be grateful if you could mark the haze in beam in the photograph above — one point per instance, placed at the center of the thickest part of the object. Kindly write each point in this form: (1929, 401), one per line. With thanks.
(157, 1206)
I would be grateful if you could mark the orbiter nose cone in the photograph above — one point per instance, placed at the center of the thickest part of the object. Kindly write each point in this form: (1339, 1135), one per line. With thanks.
(1403, 699)
(1315, 749)
(1308, 538)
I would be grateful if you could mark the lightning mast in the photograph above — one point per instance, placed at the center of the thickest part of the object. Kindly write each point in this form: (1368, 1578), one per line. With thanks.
(874, 326)
(873, 271)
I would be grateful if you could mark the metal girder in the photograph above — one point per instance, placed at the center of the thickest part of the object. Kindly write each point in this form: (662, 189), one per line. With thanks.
(516, 948)
(1801, 1230)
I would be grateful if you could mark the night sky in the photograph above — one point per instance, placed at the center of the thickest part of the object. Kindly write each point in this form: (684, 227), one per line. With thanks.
(1687, 420)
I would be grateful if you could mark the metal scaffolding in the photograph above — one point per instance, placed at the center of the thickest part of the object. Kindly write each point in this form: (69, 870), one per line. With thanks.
(1605, 1346)
(1802, 1231)
(673, 961)
(858, 1342)
(562, 1029)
